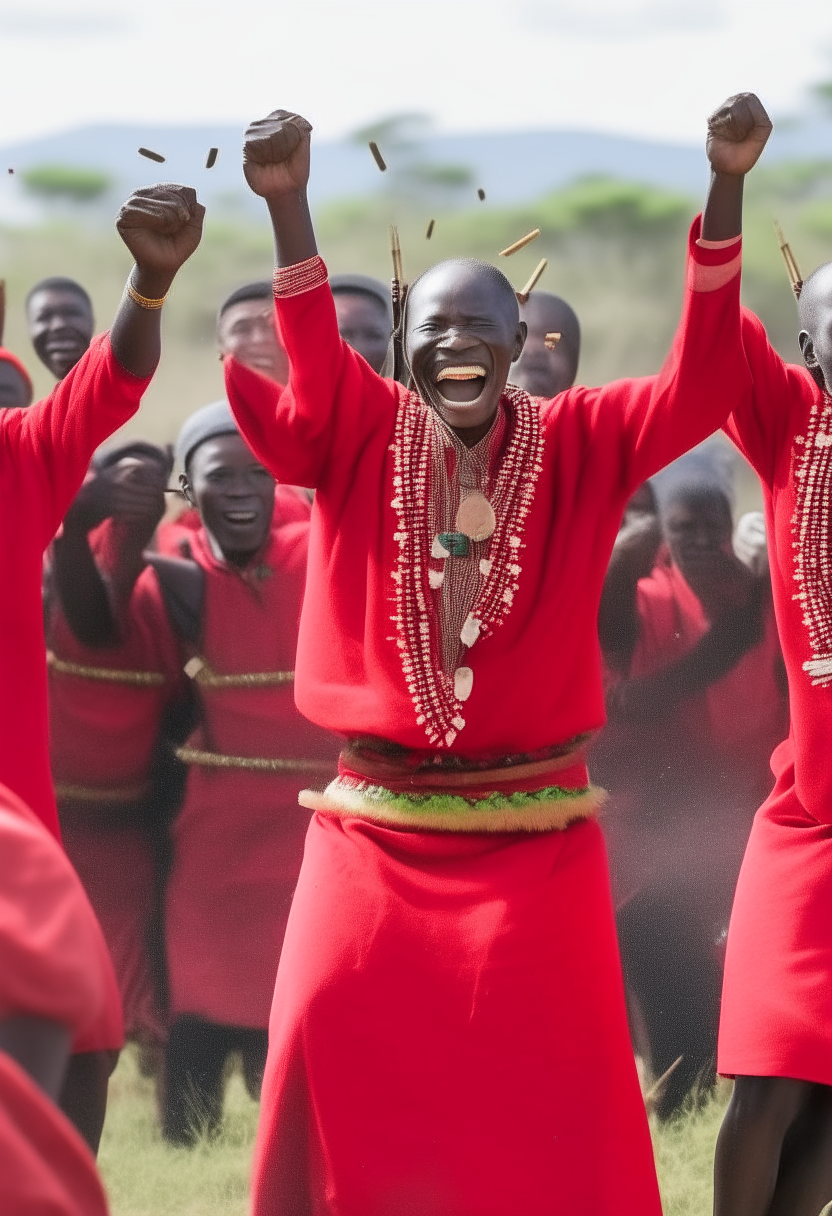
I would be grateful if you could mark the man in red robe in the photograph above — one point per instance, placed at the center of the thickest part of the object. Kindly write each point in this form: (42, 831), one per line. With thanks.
(697, 707)
(45, 451)
(61, 323)
(774, 1152)
(111, 689)
(448, 1031)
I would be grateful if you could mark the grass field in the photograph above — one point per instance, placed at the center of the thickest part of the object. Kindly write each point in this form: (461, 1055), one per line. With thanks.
(145, 1177)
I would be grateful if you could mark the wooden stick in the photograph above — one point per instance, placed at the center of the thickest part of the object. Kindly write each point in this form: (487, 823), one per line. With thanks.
(792, 268)
(396, 251)
(523, 295)
(481, 194)
(551, 340)
(157, 156)
(2, 308)
(654, 1091)
(429, 232)
(213, 153)
(521, 244)
(377, 157)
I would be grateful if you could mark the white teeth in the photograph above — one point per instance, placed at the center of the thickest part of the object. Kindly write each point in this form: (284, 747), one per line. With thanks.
(240, 517)
(473, 372)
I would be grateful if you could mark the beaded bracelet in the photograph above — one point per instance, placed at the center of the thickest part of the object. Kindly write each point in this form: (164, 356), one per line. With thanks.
(143, 301)
(303, 276)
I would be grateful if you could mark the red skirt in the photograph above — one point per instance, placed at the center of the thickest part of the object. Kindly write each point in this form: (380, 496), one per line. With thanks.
(448, 1033)
(237, 849)
(116, 866)
(777, 995)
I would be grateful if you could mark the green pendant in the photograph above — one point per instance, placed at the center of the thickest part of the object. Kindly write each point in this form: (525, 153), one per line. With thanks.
(456, 543)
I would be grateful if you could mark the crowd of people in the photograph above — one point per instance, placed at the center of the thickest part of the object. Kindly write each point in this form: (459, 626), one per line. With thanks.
(320, 685)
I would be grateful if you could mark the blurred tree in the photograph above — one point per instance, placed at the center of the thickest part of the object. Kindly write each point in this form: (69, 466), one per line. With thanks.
(68, 183)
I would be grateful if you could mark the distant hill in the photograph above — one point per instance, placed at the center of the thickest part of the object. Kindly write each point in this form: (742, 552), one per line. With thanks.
(512, 167)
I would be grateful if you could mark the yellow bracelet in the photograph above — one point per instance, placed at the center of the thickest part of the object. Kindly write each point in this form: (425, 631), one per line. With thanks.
(143, 301)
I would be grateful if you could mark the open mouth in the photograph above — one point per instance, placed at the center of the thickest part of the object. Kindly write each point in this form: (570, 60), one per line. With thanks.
(462, 383)
(240, 518)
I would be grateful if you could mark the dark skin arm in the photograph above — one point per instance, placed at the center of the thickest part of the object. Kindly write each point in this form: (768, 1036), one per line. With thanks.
(737, 628)
(737, 133)
(131, 493)
(632, 559)
(161, 226)
(276, 166)
(183, 590)
(41, 1048)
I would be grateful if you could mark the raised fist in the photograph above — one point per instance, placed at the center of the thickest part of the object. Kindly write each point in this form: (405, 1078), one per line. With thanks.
(276, 154)
(737, 133)
(161, 226)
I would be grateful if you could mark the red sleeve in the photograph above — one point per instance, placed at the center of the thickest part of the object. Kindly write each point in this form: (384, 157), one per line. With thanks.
(761, 424)
(58, 435)
(332, 405)
(649, 422)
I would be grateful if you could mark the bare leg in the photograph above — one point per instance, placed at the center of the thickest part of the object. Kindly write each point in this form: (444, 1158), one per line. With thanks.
(804, 1186)
(84, 1094)
(750, 1144)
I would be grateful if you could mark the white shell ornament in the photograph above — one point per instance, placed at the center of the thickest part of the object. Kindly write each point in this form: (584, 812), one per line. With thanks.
(463, 683)
(476, 517)
(438, 550)
(436, 578)
(470, 631)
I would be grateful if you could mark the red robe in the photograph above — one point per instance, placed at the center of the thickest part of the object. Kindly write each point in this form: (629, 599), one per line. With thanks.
(53, 965)
(435, 1044)
(238, 840)
(45, 451)
(102, 739)
(777, 995)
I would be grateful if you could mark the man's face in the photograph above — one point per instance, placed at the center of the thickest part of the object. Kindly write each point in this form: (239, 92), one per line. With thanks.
(234, 494)
(14, 391)
(698, 533)
(463, 334)
(364, 325)
(60, 328)
(540, 371)
(247, 331)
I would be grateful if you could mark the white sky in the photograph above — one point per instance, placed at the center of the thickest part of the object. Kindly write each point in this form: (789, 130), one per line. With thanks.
(644, 67)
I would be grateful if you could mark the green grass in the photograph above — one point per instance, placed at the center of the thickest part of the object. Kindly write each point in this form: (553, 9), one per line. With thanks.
(145, 1177)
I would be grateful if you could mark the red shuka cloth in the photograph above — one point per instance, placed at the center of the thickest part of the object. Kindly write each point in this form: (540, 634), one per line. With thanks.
(102, 737)
(777, 996)
(448, 1032)
(44, 454)
(46, 1169)
(238, 840)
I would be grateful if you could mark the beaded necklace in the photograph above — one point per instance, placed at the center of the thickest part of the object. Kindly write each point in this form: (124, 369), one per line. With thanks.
(434, 692)
(811, 533)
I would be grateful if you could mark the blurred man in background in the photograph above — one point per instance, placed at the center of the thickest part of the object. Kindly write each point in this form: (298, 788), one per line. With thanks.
(549, 362)
(61, 323)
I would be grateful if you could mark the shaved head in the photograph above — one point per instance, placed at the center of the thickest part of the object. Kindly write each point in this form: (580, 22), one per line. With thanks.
(462, 331)
(540, 371)
(814, 310)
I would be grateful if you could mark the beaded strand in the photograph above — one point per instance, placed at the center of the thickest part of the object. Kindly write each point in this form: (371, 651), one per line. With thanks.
(811, 533)
(438, 710)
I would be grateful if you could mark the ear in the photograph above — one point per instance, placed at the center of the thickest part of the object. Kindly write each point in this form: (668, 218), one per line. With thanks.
(807, 349)
(520, 340)
(187, 491)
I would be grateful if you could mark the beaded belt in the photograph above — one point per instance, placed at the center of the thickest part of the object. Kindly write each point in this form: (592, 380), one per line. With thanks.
(107, 675)
(68, 792)
(532, 795)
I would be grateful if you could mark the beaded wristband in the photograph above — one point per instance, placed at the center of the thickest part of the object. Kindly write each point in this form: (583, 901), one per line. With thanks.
(143, 301)
(303, 276)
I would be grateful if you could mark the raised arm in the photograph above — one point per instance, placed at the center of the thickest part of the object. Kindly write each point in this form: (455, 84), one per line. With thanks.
(95, 589)
(706, 374)
(334, 402)
(57, 437)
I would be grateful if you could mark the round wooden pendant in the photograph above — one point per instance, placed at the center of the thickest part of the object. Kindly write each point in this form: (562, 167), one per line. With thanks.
(476, 517)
